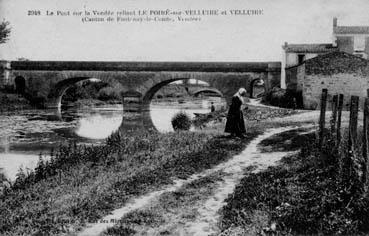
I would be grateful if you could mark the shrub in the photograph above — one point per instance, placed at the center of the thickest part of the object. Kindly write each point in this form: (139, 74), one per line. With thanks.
(109, 93)
(181, 121)
(284, 98)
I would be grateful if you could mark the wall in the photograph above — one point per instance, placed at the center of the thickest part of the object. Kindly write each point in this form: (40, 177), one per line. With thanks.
(4, 73)
(342, 83)
(338, 72)
(294, 77)
(292, 58)
(345, 44)
(366, 50)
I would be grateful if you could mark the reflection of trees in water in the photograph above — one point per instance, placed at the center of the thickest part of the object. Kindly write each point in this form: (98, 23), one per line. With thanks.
(5, 143)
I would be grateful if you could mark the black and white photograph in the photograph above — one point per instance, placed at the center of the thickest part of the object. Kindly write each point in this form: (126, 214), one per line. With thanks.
(184, 118)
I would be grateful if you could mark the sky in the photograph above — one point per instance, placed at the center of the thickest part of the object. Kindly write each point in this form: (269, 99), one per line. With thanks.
(222, 38)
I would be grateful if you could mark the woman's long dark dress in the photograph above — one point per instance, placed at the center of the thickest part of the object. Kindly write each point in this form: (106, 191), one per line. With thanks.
(235, 123)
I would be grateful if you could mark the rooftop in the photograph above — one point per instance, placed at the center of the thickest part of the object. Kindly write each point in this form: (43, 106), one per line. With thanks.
(351, 30)
(309, 48)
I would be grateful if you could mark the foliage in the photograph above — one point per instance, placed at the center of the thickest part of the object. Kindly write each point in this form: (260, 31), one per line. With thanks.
(12, 102)
(284, 98)
(181, 121)
(109, 93)
(84, 183)
(4, 31)
(83, 90)
(305, 195)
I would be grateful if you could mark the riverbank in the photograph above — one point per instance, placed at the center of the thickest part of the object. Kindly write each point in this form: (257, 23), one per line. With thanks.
(192, 208)
(82, 184)
(86, 103)
(304, 195)
(251, 113)
(13, 102)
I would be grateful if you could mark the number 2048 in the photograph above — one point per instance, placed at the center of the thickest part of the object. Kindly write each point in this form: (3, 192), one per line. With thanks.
(34, 13)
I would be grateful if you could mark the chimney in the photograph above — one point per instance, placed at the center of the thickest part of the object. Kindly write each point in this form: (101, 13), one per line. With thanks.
(334, 22)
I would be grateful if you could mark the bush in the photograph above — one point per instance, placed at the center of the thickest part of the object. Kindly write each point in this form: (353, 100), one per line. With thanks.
(284, 98)
(181, 121)
(109, 93)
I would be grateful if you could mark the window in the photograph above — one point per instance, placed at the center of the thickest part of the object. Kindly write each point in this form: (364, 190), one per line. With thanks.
(301, 58)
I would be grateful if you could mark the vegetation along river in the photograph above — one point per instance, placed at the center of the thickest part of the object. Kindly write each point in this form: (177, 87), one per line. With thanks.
(26, 134)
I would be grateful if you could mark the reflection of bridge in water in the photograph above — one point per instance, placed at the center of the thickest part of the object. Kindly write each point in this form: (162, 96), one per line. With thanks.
(138, 120)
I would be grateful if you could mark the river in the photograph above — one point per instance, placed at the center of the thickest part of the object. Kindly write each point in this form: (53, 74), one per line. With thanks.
(26, 134)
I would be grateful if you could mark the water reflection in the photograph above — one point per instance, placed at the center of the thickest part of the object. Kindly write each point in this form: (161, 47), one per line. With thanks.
(10, 163)
(26, 134)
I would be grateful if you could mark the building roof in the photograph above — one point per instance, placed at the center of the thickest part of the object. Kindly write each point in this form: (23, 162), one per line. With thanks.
(351, 30)
(310, 48)
(335, 63)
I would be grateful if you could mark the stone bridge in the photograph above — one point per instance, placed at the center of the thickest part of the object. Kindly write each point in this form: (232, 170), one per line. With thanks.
(48, 80)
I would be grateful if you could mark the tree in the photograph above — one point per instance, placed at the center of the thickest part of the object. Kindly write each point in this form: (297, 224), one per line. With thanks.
(4, 31)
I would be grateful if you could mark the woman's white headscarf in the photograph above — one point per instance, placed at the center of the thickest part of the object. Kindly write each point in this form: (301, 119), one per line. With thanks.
(240, 92)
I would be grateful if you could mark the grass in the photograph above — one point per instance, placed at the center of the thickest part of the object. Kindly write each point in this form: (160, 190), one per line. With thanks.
(168, 214)
(305, 195)
(83, 184)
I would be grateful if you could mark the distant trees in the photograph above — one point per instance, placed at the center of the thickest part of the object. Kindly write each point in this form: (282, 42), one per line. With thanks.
(4, 31)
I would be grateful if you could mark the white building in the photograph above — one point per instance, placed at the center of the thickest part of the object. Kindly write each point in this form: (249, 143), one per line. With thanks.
(349, 39)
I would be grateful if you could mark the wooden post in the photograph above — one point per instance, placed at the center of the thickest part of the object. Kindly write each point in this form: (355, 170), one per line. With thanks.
(334, 113)
(323, 104)
(339, 116)
(365, 167)
(354, 108)
(348, 158)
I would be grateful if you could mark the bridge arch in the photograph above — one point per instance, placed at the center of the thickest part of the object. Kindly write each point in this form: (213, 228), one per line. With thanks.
(20, 84)
(152, 87)
(252, 86)
(56, 93)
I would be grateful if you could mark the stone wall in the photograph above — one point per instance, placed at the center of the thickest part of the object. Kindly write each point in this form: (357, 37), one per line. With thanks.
(345, 44)
(342, 83)
(340, 73)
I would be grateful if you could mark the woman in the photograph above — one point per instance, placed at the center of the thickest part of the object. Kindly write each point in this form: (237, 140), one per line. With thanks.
(235, 123)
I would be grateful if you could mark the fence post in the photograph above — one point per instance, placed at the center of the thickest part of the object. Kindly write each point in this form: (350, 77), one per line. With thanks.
(339, 117)
(347, 160)
(354, 108)
(365, 177)
(334, 113)
(323, 104)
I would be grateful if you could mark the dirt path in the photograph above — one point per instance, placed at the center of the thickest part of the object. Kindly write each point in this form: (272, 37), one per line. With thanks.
(206, 222)
(205, 208)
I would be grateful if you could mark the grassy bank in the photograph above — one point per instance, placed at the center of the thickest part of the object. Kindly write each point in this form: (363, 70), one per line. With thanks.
(83, 184)
(304, 195)
(251, 113)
